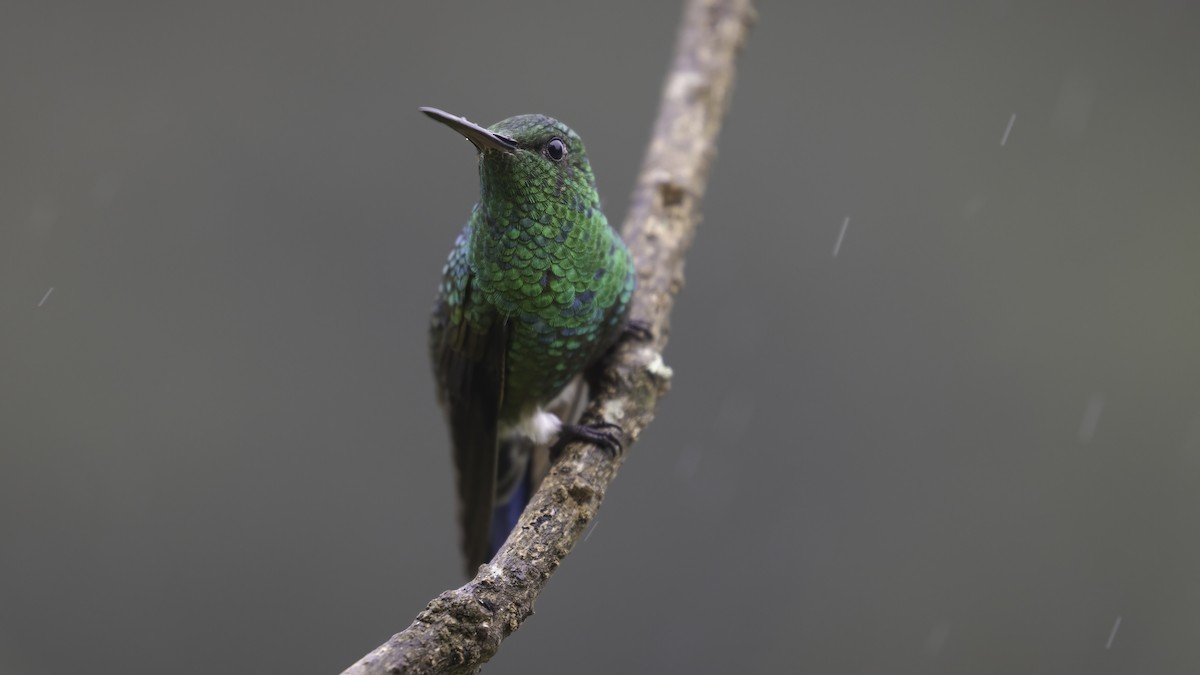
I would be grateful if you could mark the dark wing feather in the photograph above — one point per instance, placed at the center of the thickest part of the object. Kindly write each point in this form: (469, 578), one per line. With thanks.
(468, 362)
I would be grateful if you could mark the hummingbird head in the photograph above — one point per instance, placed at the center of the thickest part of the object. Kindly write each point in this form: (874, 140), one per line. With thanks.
(528, 157)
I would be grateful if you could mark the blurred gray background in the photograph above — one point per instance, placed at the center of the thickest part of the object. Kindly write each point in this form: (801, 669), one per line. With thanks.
(969, 442)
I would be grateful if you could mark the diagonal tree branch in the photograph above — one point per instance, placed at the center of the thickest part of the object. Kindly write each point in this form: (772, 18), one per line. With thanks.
(461, 629)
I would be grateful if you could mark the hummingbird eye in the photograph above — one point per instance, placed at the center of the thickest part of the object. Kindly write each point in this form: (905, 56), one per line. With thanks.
(555, 149)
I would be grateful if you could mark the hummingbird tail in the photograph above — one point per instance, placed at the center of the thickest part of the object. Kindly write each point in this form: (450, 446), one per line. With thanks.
(506, 515)
(522, 465)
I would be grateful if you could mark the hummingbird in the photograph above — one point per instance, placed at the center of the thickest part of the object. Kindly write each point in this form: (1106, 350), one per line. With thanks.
(535, 291)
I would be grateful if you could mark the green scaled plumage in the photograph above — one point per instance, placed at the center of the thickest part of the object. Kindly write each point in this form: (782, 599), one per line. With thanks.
(536, 289)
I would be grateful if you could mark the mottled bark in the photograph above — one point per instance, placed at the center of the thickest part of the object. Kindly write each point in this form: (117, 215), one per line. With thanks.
(461, 629)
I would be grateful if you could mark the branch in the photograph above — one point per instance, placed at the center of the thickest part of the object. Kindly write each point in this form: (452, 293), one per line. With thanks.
(461, 629)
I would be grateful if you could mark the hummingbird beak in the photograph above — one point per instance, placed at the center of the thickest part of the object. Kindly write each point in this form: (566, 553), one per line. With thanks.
(481, 138)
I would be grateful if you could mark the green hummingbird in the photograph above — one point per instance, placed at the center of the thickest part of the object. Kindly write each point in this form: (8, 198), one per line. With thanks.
(535, 291)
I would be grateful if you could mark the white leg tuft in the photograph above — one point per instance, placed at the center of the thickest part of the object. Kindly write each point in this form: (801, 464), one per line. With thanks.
(543, 426)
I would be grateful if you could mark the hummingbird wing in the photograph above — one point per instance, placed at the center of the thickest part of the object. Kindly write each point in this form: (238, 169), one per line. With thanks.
(468, 350)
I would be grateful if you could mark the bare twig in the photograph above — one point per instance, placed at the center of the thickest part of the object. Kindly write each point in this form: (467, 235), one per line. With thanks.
(461, 629)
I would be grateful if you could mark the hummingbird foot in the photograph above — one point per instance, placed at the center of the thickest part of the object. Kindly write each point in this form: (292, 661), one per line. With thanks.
(634, 329)
(604, 435)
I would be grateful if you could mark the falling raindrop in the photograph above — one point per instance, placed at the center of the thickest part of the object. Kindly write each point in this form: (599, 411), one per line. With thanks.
(1008, 129)
(1113, 633)
(838, 246)
(1091, 417)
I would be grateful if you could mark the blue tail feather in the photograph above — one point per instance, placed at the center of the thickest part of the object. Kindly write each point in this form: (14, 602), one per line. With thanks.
(506, 515)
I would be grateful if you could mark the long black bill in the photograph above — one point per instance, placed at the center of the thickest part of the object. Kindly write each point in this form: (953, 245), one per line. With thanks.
(481, 138)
